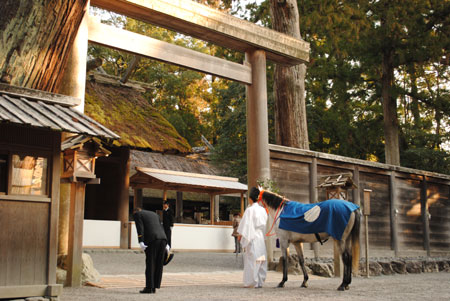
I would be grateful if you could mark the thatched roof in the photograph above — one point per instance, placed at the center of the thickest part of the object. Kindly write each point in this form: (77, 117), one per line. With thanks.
(124, 110)
(192, 163)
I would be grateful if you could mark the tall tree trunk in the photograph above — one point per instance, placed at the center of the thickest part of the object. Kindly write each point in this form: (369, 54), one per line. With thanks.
(37, 36)
(289, 82)
(391, 147)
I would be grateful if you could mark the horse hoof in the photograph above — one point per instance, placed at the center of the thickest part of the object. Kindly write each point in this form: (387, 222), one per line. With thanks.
(281, 284)
(341, 288)
(304, 285)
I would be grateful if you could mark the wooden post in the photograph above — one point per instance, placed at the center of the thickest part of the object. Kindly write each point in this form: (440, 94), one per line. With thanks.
(123, 206)
(242, 204)
(179, 206)
(366, 212)
(313, 197)
(425, 215)
(336, 249)
(216, 207)
(258, 156)
(54, 210)
(137, 200)
(356, 193)
(73, 84)
(75, 250)
(394, 212)
(63, 222)
(211, 208)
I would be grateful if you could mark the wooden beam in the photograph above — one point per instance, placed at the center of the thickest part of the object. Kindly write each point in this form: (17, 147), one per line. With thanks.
(211, 208)
(425, 215)
(258, 155)
(124, 204)
(313, 197)
(54, 209)
(152, 48)
(394, 212)
(75, 250)
(212, 25)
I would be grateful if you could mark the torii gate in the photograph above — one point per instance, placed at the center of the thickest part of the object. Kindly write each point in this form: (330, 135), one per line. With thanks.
(187, 17)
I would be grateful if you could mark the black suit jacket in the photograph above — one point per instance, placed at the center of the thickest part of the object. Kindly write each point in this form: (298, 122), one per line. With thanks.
(148, 226)
(167, 219)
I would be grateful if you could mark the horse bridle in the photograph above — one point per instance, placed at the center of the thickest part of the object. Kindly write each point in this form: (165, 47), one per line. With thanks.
(267, 210)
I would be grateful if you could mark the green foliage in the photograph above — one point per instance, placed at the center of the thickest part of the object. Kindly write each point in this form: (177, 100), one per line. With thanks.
(230, 150)
(269, 184)
(343, 83)
(427, 159)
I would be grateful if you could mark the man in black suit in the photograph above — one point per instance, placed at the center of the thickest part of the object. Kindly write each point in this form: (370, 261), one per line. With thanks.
(153, 242)
(167, 222)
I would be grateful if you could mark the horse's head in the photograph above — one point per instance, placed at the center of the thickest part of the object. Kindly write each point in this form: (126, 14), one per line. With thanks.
(267, 198)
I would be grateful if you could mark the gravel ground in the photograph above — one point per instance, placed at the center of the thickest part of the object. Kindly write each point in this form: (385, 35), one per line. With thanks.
(425, 286)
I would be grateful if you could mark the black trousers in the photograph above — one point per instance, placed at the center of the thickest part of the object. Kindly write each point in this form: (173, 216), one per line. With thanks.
(169, 236)
(154, 259)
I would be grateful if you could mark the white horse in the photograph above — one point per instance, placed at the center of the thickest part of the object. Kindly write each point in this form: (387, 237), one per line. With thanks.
(348, 243)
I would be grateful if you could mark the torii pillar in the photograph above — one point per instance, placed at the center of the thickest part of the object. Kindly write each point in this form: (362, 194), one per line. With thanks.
(258, 156)
(258, 160)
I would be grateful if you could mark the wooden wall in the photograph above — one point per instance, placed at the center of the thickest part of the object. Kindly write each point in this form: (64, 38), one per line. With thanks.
(28, 223)
(402, 199)
(24, 243)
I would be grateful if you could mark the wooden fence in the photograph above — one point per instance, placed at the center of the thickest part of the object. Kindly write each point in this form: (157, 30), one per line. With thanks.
(410, 209)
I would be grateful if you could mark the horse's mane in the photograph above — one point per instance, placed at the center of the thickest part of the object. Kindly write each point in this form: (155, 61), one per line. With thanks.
(272, 200)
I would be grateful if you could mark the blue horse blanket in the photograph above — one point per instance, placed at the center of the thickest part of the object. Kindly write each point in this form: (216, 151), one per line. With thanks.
(329, 216)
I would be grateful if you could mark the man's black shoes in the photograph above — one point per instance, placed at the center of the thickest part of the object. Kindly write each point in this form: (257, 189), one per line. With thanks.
(147, 291)
(168, 258)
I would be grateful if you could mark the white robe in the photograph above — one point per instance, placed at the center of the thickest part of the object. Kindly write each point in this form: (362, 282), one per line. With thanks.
(252, 229)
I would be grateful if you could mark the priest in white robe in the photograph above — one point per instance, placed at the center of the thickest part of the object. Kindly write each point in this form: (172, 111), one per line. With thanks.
(252, 232)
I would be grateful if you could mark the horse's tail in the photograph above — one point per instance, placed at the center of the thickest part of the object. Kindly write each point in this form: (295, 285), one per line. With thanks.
(356, 247)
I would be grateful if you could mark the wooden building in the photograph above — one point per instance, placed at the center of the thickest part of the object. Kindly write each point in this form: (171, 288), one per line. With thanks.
(409, 209)
(149, 141)
(31, 125)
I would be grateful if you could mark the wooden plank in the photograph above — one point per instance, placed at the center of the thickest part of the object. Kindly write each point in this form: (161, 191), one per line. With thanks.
(374, 167)
(55, 173)
(18, 291)
(47, 97)
(29, 246)
(155, 49)
(214, 26)
(25, 198)
(5, 224)
(439, 208)
(42, 119)
(65, 117)
(10, 105)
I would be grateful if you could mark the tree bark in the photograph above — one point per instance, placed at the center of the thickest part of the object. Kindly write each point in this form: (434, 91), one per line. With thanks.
(37, 36)
(289, 82)
(391, 146)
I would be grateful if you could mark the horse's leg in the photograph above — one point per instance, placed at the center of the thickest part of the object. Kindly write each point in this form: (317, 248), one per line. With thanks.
(301, 261)
(284, 244)
(345, 247)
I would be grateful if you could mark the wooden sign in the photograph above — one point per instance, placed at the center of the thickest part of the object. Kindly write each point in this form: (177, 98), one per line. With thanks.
(366, 205)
